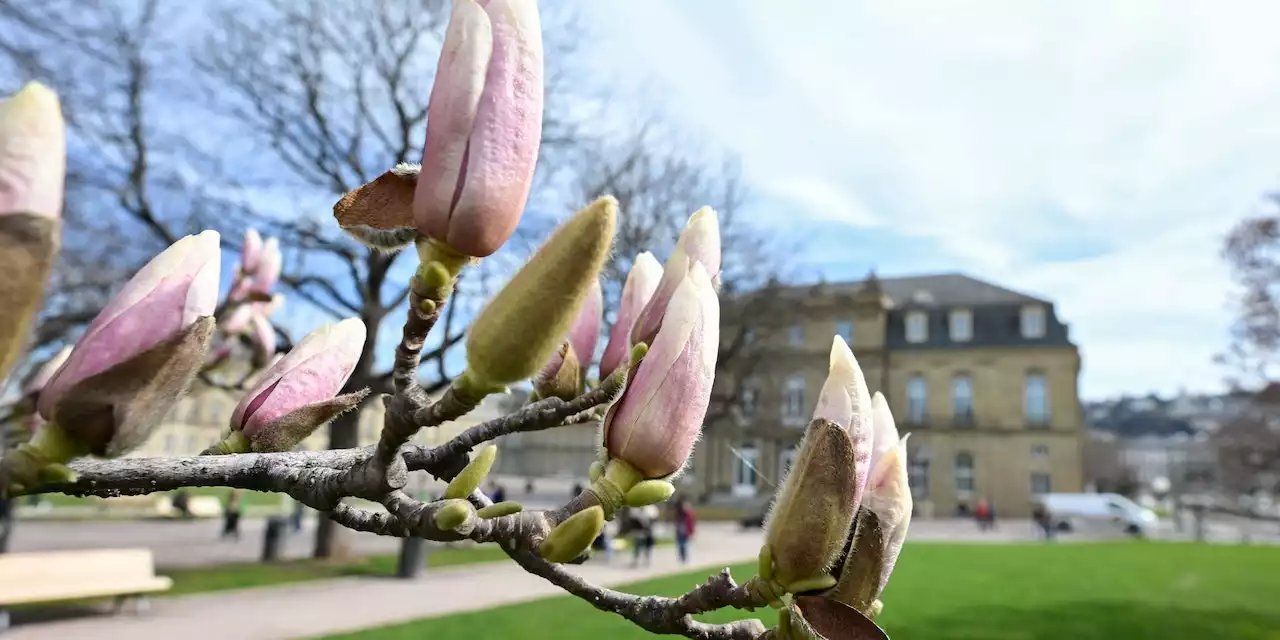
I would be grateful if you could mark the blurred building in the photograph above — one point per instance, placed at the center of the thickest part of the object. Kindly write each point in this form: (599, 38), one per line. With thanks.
(984, 378)
(1140, 442)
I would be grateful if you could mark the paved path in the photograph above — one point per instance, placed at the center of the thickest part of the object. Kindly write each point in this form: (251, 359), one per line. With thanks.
(333, 606)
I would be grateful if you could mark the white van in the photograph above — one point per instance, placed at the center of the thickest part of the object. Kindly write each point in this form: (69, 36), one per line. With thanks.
(1098, 513)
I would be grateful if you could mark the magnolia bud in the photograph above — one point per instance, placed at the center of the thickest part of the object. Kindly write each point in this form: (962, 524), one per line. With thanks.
(268, 272)
(33, 154)
(251, 252)
(846, 401)
(572, 537)
(564, 375)
(527, 320)
(484, 125)
(699, 242)
(298, 394)
(164, 299)
(881, 526)
(642, 281)
(656, 422)
(814, 509)
(264, 340)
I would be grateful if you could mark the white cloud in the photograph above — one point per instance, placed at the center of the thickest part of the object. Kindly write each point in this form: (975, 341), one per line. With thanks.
(1092, 151)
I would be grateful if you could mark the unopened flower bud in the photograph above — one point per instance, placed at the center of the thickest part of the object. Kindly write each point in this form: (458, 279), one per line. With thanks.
(814, 509)
(150, 320)
(299, 393)
(881, 526)
(268, 272)
(32, 169)
(516, 333)
(251, 252)
(846, 401)
(564, 375)
(656, 422)
(471, 476)
(572, 537)
(699, 242)
(484, 126)
(641, 283)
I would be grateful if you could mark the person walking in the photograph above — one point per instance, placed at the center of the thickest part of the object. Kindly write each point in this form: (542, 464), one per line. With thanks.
(640, 532)
(686, 522)
(231, 515)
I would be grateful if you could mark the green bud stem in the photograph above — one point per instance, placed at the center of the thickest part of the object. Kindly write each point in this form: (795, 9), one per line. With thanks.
(234, 442)
(611, 488)
(42, 459)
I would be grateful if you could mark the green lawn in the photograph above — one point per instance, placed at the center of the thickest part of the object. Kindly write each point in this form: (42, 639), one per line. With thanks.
(240, 576)
(1131, 591)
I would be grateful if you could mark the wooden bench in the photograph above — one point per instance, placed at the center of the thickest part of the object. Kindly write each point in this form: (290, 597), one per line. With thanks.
(51, 576)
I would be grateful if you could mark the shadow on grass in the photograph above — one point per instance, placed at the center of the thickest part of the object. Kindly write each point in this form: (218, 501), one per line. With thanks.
(1132, 621)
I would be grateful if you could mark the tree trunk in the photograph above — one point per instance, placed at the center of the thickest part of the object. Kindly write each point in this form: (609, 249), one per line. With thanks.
(343, 434)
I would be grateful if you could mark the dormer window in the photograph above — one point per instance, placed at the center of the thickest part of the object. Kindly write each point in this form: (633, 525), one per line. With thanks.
(1033, 321)
(917, 326)
(961, 325)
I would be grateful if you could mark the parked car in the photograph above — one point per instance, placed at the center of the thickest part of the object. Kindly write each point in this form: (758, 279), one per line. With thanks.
(1099, 512)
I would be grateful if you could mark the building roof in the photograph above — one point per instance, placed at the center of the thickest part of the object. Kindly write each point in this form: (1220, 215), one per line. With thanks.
(945, 290)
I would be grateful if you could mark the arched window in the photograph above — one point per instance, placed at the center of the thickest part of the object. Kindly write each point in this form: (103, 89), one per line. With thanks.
(964, 472)
(962, 399)
(917, 399)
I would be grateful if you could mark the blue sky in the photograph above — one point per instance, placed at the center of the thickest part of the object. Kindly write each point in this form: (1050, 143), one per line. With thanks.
(1091, 152)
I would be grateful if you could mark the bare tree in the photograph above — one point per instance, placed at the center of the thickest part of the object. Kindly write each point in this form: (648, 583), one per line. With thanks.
(1252, 251)
(659, 184)
(335, 92)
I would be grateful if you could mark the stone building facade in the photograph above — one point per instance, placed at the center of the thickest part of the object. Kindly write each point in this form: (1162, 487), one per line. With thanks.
(982, 377)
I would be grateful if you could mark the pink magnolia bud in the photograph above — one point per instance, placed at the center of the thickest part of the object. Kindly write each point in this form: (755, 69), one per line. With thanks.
(164, 299)
(585, 332)
(264, 339)
(655, 423)
(564, 375)
(884, 432)
(36, 383)
(239, 320)
(888, 496)
(642, 281)
(268, 272)
(251, 252)
(484, 126)
(699, 242)
(33, 152)
(313, 372)
(846, 401)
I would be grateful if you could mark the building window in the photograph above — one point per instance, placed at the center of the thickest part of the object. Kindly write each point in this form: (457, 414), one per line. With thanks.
(917, 326)
(744, 470)
(793, 399)
(844, 329)
(1039, 452)
(1033, 322)
(1035, 400)
(787, 459)
(170, 441)
(795, 335)
(1040, 484)
(962, 399)
(748, 335)
(918, 474)
(917, 397)
(192, 447)
(961, 325)
(964, 473)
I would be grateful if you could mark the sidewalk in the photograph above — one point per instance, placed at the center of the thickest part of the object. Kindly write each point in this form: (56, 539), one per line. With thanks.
(333, 606)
